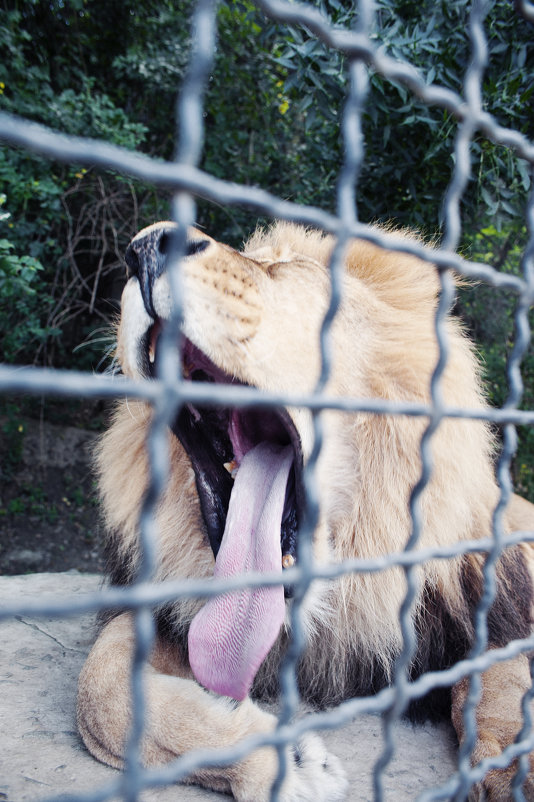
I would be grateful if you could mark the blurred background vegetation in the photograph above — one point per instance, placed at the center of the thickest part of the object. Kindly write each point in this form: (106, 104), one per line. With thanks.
(110, 69)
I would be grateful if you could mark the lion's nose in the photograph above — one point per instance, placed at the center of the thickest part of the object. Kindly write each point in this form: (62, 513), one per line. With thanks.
(146, 256)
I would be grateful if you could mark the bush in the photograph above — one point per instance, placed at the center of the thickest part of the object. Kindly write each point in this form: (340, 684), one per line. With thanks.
(22, 296)
(70, 224)
(489, 316)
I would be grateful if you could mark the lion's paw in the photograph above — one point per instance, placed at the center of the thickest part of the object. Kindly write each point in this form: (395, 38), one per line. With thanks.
(315, 774)
(497, 786)
(312, 774)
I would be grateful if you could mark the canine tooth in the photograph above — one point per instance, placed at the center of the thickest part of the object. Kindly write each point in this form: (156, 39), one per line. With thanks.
(153, 339)
(231, 467)
(288, 561)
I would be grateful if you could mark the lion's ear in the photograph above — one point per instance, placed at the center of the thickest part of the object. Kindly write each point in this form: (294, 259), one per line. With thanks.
(267, 255)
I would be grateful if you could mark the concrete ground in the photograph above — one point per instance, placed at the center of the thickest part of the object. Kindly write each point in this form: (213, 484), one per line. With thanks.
(41, 756)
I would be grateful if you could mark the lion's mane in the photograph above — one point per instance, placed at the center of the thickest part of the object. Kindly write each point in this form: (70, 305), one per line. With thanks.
(383, 346)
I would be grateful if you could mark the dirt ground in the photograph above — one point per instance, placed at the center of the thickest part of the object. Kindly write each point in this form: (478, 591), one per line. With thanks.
(49, 514)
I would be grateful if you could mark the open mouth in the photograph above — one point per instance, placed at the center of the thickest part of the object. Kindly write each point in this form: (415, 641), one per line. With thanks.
(248, 465)
(217, 439)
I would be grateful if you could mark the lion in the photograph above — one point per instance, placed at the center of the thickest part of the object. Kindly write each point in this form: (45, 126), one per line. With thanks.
(233, 503)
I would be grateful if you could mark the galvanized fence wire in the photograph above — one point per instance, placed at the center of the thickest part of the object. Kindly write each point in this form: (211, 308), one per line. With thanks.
(169, 391)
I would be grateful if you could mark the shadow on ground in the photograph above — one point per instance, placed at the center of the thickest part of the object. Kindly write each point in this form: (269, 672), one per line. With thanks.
(49, 513)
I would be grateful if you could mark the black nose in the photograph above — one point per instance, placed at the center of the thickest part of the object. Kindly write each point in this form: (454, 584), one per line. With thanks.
(146, 256)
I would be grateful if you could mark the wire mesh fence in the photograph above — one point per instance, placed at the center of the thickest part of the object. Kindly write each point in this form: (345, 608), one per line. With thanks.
(168, 392)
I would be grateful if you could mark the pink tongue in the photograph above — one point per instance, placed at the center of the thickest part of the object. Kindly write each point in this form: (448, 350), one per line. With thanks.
(230, 636)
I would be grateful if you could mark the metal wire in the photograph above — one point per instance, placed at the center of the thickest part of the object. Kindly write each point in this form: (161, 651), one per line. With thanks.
(168, 391)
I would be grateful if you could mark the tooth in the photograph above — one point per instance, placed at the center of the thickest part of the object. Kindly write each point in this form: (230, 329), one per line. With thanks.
(288, 561)
(152, 341)
(231, 467)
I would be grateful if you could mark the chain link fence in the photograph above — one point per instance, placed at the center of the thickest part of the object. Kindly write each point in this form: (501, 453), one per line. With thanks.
(188, 181)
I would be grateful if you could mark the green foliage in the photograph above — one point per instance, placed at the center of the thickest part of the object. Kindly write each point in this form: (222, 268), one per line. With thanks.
(22, 298)
(12, 429)
(408, 145)
(57, 222)
(490, 318)
(32, 500)
(260, 129)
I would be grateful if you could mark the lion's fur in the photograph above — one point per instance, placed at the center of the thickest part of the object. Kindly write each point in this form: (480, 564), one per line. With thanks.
(384, 346)
(257, 315)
